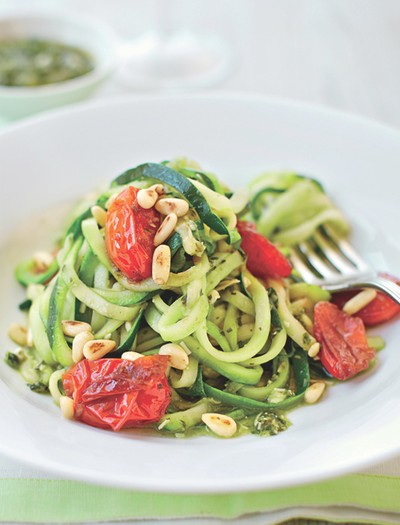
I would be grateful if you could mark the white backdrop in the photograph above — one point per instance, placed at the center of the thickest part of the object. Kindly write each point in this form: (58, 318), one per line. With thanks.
(341, 53)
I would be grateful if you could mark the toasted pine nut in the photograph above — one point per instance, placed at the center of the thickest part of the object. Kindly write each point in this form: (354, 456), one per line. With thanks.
(166, 229)
(223, 426)
(18, 334)
(161, 264)
(226, 284)
(314, 350)
(171, 205)
(131, 356)
(147, 198)
(314, 392)
(100, 215)
(78, 344)
(178, 357)
(159, 188)
(42, 260)
(356, 303)
(67, 407)
(213, 296)
(98, 348)
(73, 328)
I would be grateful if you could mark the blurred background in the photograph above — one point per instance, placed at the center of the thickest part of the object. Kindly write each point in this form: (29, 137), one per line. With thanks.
(340, 53)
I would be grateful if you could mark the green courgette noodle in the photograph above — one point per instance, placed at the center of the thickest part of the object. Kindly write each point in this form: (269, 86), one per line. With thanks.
(246, 340)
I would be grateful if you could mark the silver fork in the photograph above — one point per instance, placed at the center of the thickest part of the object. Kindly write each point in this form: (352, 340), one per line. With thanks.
(333, 264)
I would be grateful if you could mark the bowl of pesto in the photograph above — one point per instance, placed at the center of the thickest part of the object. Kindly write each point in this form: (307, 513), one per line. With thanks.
(50, 59)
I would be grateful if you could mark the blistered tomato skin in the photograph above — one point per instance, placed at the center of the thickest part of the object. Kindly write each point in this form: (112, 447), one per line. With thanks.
(118, 393)
(344, 348)
(263, 258)
(378, 311)
(129, 235)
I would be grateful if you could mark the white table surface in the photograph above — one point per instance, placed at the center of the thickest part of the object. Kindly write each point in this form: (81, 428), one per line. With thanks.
(340, 53)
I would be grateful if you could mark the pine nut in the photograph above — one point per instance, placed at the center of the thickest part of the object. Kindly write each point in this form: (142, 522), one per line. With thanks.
(67, 407)
(18, 334)
(171, 205)
(73, 328)
(98, 348)
(161, 264)
(314, 350)
(226, 284)
(78, 344)
(314, 392)
(29, 338)
(356, 303)
(213, 296)
(147, 198)
(20, 353)
(166, 229)
(223, 426)
(100, 215)
(42, 260)
(131, 356)
(178, 357)
(159, 188)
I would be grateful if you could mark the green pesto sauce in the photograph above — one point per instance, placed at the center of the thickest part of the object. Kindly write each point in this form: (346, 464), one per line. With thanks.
(34, 62)
(263, 424)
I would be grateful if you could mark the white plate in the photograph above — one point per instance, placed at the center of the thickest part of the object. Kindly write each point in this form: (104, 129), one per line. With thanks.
(53, 159)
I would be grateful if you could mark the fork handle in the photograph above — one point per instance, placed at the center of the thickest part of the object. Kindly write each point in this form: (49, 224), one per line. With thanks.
(380, 283)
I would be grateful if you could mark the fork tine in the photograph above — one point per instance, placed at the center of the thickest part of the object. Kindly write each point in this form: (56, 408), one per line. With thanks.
(318, 261)
(333, 254)
(333, 264)
(304, 270)
(347, 250)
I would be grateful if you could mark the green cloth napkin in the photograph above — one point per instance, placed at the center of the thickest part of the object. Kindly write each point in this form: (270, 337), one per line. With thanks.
(49, 501)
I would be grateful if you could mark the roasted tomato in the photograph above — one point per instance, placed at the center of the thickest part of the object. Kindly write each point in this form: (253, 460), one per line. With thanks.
(263, 258)
(344, 347)
(130, 231)
(381, 309)
(118, 393)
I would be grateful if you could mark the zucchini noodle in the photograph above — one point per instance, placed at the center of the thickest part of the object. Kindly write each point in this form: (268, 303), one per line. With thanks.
(244, 340)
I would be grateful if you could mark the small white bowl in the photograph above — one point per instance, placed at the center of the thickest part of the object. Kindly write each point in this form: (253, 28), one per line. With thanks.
(68, 28)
